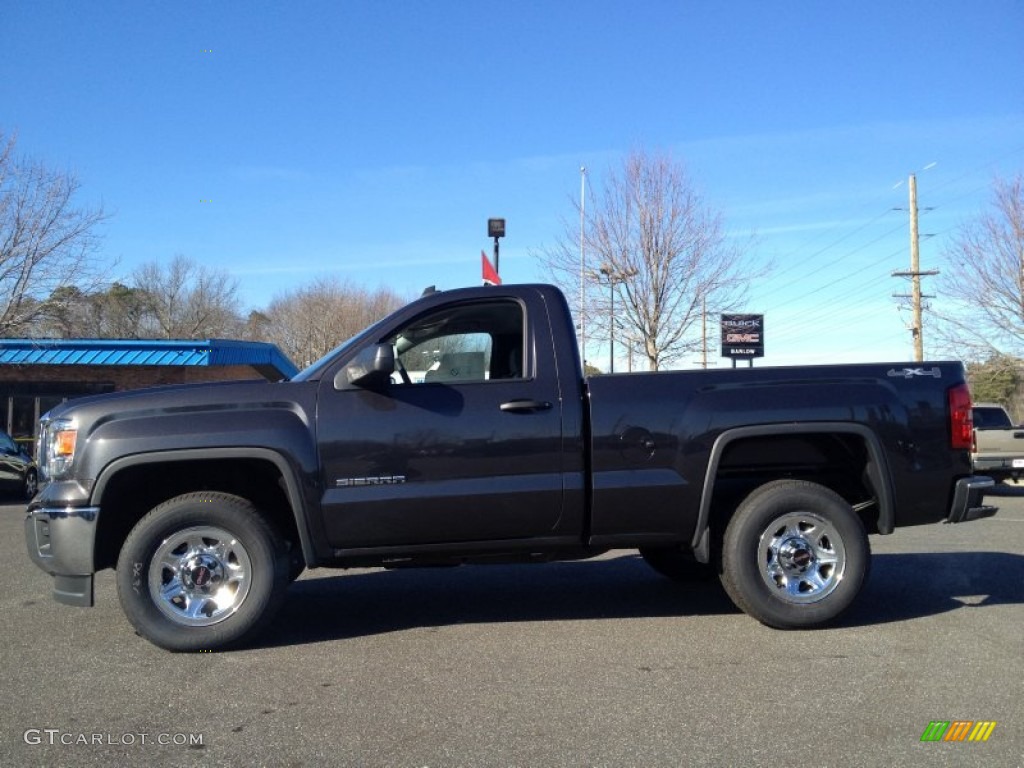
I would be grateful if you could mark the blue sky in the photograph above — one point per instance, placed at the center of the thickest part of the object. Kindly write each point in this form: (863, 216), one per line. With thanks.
(281, 141)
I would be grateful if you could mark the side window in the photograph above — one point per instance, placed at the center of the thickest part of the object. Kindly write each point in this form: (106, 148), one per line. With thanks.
(462, 343)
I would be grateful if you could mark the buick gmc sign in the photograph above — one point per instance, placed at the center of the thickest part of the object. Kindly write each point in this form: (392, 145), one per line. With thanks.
(742, 336)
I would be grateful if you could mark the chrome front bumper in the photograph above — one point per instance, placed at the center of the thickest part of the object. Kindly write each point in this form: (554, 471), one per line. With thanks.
(61, 541)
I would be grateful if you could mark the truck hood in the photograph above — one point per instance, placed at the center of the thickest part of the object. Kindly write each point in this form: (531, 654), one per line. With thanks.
(176, 398)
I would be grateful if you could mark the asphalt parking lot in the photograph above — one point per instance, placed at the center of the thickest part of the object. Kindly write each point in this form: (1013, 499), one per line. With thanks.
(597, 663)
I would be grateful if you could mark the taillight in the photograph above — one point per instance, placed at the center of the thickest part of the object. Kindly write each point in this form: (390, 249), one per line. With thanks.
(961, 420)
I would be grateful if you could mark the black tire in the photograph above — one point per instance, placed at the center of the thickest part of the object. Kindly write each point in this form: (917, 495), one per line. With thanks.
(673, 563)
(202, 572)
(296, 563)
(795, 555)
(31, 487)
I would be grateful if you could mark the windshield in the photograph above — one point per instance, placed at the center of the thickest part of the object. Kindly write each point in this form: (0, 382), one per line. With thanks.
(314, 370)
(986, 417)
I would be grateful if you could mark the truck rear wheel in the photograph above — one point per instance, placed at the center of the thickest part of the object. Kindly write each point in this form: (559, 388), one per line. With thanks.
(795, 555)
(202, 572)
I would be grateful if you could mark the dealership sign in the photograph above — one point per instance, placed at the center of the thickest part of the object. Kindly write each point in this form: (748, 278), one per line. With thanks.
(742, 336)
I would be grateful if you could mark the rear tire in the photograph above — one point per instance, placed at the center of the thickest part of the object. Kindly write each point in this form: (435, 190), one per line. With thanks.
(202, 572)
(795, 555)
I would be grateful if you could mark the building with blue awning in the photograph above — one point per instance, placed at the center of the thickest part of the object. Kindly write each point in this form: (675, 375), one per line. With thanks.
(37, 374)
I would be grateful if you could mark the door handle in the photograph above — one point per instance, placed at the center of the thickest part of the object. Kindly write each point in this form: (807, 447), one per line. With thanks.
(525, 406)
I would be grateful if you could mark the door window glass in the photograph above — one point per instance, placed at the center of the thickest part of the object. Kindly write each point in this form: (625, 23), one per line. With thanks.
(463, 343)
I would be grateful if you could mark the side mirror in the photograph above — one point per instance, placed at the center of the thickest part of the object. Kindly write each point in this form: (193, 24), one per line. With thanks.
(371, 367)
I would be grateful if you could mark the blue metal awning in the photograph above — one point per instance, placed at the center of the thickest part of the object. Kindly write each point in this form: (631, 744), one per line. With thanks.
(137, 352)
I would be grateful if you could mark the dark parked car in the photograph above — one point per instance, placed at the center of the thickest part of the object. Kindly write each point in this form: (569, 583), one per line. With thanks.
(18, 474)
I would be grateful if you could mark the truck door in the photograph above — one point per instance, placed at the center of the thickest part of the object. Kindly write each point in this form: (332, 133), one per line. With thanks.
(463, 444)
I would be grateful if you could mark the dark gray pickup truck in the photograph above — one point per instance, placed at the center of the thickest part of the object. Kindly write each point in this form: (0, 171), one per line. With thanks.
(461, 430)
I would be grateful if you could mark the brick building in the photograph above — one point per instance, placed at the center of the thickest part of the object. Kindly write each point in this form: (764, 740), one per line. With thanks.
(37, 374)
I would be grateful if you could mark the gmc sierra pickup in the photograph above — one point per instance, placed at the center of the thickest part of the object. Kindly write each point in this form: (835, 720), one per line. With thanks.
(460, 429)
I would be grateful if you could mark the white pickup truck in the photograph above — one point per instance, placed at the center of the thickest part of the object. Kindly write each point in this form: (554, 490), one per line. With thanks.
(998, 444)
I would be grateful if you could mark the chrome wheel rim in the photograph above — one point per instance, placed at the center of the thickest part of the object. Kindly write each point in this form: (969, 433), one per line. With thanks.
(200, 576)
(802, 558)
(31, 485)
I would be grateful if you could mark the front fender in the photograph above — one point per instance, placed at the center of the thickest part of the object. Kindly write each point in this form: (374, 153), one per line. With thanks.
(299, 485)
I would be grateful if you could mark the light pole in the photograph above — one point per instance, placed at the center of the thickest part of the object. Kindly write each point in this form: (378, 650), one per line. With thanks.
(613, 278)
(496, 229)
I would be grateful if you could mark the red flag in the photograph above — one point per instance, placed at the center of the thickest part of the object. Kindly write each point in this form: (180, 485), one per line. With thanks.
(490, 275)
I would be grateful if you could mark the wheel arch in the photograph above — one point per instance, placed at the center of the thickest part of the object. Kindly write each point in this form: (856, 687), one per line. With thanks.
(872, 465)
(130, 486)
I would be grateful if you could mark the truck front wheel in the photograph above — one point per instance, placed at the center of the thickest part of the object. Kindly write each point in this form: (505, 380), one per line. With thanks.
(201, 572)
(795, 555)
(673, 563)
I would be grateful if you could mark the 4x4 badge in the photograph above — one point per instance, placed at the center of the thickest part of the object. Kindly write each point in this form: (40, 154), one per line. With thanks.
(909, 373)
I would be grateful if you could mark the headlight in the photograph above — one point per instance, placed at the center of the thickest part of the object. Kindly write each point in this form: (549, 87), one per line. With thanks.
(56, 451)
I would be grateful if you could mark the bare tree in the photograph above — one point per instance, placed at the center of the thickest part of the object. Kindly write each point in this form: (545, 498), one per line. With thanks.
(982, 284)
(46, 241)
(652, 242)
(309, 322)
(185, 300)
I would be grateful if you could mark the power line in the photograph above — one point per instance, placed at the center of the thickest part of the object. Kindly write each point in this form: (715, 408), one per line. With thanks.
(848, 235)
(796, 253)
(873, 284)
(809, 323)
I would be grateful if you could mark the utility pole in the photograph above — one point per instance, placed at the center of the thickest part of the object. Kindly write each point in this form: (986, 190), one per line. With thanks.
(915, 274)
(703, 333)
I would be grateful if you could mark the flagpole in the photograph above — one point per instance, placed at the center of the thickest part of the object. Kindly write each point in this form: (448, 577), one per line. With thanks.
(583, 321)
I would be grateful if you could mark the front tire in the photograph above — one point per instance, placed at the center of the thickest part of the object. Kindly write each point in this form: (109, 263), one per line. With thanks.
(673, 563)
(795, 555)
(31, 487)
(202, 572)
